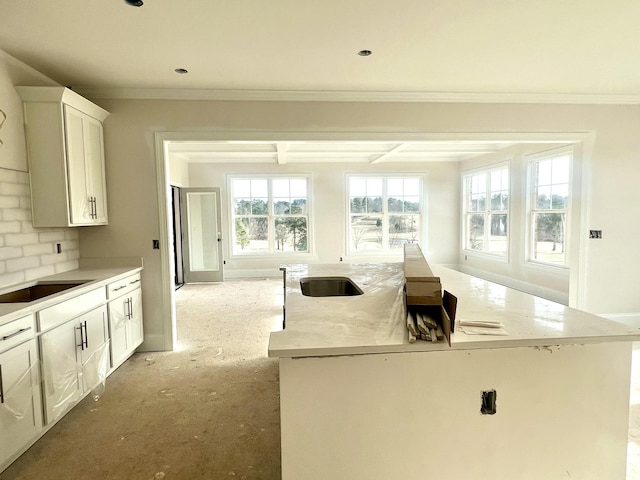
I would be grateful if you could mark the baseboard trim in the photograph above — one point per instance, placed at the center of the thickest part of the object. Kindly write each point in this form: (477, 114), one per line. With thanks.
(631, 319)
(273, 272)
(154, 342)
(530, 288)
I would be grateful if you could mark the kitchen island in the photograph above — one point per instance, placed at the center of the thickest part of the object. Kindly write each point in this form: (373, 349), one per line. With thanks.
(359, 401)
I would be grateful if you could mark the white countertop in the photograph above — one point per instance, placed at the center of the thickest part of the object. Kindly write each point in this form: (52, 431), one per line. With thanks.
(95, 274)
(375, 321)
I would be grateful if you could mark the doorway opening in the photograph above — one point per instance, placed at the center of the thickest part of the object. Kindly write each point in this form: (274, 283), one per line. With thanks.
(284, 149)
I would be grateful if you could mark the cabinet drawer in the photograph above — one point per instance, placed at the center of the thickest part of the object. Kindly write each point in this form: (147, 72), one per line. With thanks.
(123, 286)
(16, 332)
(63, 311)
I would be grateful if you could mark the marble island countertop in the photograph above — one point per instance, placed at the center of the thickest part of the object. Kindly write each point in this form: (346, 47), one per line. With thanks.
(375, 321)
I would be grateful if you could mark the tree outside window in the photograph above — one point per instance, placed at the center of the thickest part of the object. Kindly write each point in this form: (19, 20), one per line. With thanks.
(549, 190)
(270, 215)
(384, 212)
(487, 211)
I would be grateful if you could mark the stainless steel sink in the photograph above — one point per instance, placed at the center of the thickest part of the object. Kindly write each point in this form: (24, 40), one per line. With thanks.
(36, 292)
(329, 287)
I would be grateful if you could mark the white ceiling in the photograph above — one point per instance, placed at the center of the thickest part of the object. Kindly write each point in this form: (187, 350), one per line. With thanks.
(437, 46)
(567, 50)
(364, 152)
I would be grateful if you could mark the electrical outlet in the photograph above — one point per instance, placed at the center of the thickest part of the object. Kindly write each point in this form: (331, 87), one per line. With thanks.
(595, 233)
(488, 405)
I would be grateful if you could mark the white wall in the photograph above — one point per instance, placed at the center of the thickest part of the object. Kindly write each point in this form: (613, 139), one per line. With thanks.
(514, 270)
(178, 173)
(26, 253)
(609, 268)
(441, 189)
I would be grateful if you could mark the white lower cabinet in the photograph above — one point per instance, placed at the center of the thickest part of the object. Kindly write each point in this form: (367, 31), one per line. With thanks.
(125, 318)
(74, 360)
(54, 357)
(20, 405)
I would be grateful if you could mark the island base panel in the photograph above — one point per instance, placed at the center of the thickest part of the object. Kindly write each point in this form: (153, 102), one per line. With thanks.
(560, 412)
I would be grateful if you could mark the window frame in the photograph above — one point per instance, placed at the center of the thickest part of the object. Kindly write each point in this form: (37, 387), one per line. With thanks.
(385, 214)
(487, 212)
(271, 215)
(531, 161)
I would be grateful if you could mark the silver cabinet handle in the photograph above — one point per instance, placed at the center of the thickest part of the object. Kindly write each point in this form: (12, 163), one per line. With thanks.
(84, 338)
(119, 288)
(93, 207)
(7, 337)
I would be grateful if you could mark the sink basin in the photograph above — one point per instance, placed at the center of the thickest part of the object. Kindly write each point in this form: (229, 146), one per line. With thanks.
(36, 292)
(329, 287)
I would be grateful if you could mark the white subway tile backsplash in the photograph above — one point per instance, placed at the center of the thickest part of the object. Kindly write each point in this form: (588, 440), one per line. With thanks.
(10, 252)
(38, 249)
(51, 235)
(11, 278)
(68, 245)
(14, 189)
(27, 227)
(10, 227)
(28, 253)
(66, 266)
(11, 176)
(23, 177)
(53, 258)
(21, 264)
(10, 214)
(20, 239)
(9, 202)
(35, 273)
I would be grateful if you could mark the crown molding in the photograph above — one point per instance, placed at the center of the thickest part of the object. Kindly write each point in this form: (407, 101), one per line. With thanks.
(353, 96)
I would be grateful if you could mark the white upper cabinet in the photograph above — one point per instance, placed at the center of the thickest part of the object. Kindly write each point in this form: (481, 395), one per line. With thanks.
(66, 157)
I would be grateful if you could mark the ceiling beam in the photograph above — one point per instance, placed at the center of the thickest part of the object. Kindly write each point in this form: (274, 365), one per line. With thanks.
(281, 148)
(384, 156)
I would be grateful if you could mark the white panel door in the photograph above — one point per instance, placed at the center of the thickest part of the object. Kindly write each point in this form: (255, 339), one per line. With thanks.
(202, 229)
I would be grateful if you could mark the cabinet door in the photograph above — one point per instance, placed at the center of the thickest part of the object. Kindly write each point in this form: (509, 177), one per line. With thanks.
(85, 168)
(20, 417)
(79, 197)
(135, 334)
(61, 384)
(125, 324)
(93, 347)
(94, 161)
(118, 310)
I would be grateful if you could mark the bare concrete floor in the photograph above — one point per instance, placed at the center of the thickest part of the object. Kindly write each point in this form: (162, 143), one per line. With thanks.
(209, 410)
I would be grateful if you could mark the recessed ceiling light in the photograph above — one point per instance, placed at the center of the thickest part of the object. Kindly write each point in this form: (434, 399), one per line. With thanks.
(365, 53)
(181, 71)
(134, 3)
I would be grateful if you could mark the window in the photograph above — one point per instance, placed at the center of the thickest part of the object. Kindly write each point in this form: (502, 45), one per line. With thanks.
(270, 215)
(384, 212)
(549, 203)
(487, 211)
